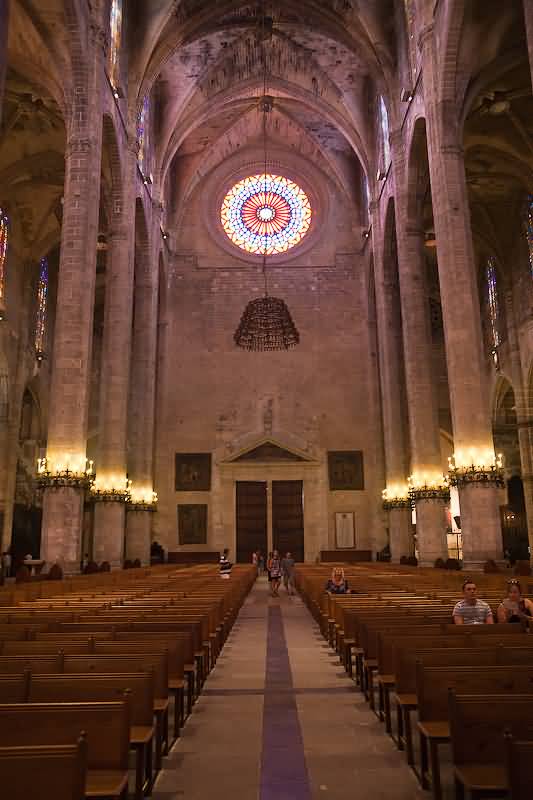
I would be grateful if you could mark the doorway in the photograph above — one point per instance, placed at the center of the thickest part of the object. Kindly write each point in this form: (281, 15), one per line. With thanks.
(288, 518)
(251, 519)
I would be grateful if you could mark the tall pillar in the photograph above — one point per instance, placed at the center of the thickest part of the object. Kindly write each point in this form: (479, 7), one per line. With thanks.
(479, 500)
(141, 418)
(392, 393)
(427, 481)
(111, 481)
(71, 357)
(528, 18)
(4, 27)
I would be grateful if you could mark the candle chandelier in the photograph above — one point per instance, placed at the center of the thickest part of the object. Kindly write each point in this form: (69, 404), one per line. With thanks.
(266, 323)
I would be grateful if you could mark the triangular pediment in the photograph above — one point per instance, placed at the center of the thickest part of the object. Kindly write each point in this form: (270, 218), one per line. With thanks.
(269, 451)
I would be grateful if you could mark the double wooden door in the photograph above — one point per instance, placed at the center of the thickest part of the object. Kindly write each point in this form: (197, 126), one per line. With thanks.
(252, 519)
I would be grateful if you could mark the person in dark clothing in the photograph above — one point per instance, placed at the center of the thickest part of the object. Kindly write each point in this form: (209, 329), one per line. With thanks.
(337, 584)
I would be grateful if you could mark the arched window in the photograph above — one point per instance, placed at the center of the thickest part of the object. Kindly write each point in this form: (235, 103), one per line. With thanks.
(528, 228)
(366, 197)
(409, 7)
(143, 136)
(4, 235)
(384, 128)
(493, 307)
(115, 31)
(42, 300)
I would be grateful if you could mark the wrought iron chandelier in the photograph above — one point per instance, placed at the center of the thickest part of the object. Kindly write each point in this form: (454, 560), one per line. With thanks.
(266, 323)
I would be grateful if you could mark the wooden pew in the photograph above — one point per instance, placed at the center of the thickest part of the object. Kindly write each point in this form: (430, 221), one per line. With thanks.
(45, 772)
(16, 665)
(432, 687)
(91, 687)
(155, 662)
(14, 688)
(519, 763)
(107, 726)
(477, 727)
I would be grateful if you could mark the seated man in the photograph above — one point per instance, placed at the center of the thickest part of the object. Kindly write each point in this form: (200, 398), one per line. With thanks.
(470, 610)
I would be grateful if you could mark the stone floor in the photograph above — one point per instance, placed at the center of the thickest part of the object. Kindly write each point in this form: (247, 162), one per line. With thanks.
(279, 720)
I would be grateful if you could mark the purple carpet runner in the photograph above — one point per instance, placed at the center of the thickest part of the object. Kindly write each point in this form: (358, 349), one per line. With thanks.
(283, 768)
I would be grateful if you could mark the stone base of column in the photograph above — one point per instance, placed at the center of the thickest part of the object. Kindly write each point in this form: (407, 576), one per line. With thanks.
(62, 528)
(480, 523)
(109, 526)
(139, 536)
(400, 531)
(431, 530)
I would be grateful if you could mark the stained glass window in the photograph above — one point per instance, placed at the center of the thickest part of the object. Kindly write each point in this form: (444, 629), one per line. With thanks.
(266, 214)
(493, 307)
(143, 129)
(409, 6)
(4, 233)
(528, 227)
(42, 299)
(384, 127)
(115, 30)
(366, 197)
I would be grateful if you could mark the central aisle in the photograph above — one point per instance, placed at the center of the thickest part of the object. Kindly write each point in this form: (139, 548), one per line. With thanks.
(279, 720)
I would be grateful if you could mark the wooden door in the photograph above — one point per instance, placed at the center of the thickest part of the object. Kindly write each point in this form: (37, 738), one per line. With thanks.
(251, 519)
(288, 518)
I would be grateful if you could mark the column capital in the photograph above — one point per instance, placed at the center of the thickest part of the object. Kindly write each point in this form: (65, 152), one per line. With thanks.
(425, 34)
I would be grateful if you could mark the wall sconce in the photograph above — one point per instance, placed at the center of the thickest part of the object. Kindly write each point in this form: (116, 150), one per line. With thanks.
(68, 471)
(476, 465)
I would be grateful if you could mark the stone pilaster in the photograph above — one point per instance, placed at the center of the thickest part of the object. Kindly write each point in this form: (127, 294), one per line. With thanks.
(71, 357)
(528, 18)
(141, 418)
(138, 537)
(4, 27)
(110, 517)
(469, 396)
(392, 386)
(401, 541)
(426, 467)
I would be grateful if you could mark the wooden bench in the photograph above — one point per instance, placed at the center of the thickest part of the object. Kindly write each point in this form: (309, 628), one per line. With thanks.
(477, 727)
(91, 687)
(55, 772)
(155, 662)
(432, 687)
(107, 726)
(519, 763)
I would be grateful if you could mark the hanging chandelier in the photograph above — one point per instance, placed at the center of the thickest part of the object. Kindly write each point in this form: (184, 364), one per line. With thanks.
(266, 323)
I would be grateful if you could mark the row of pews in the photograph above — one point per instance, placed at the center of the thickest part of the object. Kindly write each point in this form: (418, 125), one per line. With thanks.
(98, 675)
(436, 687)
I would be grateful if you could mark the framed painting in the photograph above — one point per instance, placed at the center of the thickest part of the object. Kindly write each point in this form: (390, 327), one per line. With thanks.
(344, 530)
(346, 471)
(192, 524)
(193, 472)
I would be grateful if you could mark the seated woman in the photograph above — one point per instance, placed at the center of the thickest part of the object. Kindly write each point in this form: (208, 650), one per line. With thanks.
(514, 608)
(337, 584)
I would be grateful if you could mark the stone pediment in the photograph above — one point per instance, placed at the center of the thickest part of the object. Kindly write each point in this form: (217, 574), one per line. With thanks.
(269, 451)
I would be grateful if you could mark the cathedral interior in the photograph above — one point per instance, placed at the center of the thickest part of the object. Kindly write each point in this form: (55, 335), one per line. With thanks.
(368, 165)
(266, 399)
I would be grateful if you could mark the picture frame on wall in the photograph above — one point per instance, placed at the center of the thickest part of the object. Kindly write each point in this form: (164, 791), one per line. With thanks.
(193, 472)
(192, 523)
(344, 530)
(346, 470)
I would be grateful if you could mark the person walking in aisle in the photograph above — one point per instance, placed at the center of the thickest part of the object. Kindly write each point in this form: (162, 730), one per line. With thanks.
(275, 573)
(268, 563)
(287, 568)
(225, 565)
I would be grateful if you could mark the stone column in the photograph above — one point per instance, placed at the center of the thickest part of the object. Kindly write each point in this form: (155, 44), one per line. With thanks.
(4, 27)
(479, 502)
(141, 416)
(71, 357)
(528, 18)
(426, 466)
(392, 393)
(110, 517)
